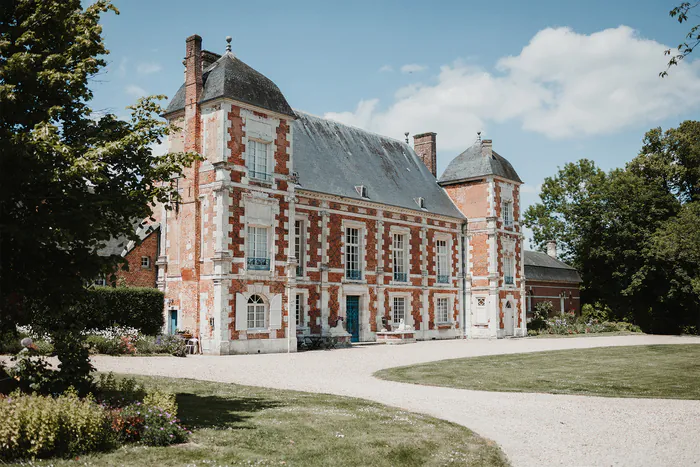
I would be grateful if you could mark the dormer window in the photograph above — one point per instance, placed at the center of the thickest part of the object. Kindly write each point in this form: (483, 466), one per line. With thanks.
(361, 190)
(420, 201)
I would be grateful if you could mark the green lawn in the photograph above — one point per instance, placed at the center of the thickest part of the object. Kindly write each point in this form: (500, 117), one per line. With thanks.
(657, 371)
(241, 425)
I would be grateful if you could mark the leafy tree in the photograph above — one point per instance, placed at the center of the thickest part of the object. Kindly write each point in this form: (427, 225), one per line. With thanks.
(619, 229)
(71, 179)
(692, 38)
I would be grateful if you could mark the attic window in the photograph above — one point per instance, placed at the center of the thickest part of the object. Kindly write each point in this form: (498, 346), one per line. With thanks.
(361, 190)
(420, 201)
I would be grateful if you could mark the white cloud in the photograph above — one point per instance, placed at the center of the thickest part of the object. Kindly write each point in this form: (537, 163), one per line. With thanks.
(530, 189)
(413, 68)
(386, 68)
(562, 85)
(122, 66)
(148, 68)
(135, 91)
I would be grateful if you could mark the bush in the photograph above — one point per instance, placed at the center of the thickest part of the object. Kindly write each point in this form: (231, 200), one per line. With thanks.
(103, 345)
(33, 374)
(41, 426)
(162, 399)
(596, 312)
(128, 341)
(541, 315)
(135, 307)
(150, 425)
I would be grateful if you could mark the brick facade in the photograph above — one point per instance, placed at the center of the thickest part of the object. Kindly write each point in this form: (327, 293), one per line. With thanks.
(234, 270)
(141, 259)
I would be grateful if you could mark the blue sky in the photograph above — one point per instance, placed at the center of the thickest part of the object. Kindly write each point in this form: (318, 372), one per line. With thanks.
(546, 95)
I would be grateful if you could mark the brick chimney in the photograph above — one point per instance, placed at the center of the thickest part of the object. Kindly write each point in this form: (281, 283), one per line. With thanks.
(193, 91)
(486, 148)
(425, 146)
(552, 249)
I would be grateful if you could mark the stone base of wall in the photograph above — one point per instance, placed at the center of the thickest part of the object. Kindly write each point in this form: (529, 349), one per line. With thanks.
(396, 337)
(255, 346)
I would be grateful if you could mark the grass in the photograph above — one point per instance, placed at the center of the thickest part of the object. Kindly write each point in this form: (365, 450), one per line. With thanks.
(241, 425)
(651, 371)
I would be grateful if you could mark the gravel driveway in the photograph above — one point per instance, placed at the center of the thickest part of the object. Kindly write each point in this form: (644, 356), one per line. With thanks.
(532, 429)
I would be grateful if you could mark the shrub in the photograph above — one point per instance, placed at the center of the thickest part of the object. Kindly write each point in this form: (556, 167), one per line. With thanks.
(541, 314)
(118, 393)
(136, 307)
(33, 374)
(162, 399)
(42, 426)
(103, 345)
(596, 312)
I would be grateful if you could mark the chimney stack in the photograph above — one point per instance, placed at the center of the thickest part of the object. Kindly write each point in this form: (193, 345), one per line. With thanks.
(193, 91)
(552, 249)
(486, 147)
(425, 146)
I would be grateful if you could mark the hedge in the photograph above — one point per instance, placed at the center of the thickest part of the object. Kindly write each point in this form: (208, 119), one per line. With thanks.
(136, 307)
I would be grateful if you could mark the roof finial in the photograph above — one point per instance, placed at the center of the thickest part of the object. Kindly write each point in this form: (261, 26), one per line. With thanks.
(228, 43)
(478, 135)
(406, 134)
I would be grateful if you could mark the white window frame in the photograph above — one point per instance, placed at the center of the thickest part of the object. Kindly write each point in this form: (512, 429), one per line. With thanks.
(203, 205)
(399, 253)
(509, 269)
(394, 312)
(300, 246)
(255, 248)
(347, 251)
(101, 281)
(439, 318)
(444, 269)
(259, 309)
(257, 169)
(148, 262)
(508, 213)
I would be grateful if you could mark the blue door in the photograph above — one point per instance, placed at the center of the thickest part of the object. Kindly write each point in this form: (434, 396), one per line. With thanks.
(173, 321)
(352, 307)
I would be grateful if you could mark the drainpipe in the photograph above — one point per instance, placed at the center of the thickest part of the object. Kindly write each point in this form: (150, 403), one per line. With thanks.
(464, 280)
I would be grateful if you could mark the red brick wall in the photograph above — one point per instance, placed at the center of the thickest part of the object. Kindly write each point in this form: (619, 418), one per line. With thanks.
(138, 276)
(542, 291)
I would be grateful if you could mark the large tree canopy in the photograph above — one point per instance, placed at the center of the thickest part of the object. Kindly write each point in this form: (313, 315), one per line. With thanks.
(630, 231)
(70, 179)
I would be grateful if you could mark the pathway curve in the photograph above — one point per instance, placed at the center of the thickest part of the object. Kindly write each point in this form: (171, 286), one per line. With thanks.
(532, 429)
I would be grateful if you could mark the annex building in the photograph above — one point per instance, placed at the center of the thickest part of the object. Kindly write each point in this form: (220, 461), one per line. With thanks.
(292, 221)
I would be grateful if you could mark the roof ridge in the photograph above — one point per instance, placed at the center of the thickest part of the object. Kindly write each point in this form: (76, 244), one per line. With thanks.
(353, 127)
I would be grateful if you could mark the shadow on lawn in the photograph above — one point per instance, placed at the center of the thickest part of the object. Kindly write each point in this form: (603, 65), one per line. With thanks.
(216, 412)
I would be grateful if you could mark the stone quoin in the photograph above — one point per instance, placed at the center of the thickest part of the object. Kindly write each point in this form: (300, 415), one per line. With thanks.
(292, 221)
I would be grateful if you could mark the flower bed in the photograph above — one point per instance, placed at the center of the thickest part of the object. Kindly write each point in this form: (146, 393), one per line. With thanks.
(592, 321)
(117, 340)
(36, 426)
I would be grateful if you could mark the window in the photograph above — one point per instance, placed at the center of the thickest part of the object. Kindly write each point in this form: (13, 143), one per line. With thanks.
(258, 259)
(480, 301)
(399, 309)
(256, 312)
(204, 204)
(101, 281)
(400, 256)
(509, 269)
(145, 262)
(443, 310)
(420, 201)
(258, 160)
(361, 190)
(352, 253)
(443, 262)
(508, 213)
(298, 306)
(299, 246)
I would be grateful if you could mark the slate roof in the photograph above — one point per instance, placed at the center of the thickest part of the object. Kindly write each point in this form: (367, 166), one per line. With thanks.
(230, 77)
(333, 158)
(472, 164)
(542, 267)
(122, 246)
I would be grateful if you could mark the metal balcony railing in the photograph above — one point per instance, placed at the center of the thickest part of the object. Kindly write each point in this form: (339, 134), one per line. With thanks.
(400, 277)
(259, 264)
(509, 280)
(443, 279)
(353, 274)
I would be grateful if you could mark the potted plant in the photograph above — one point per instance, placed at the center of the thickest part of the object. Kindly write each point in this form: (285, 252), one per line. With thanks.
(187, 334)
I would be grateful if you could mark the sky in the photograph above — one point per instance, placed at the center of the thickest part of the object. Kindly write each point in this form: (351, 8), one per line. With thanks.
(549, 82)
